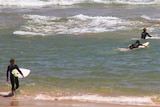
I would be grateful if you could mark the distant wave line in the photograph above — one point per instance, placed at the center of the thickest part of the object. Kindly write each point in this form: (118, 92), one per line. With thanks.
(41, 3)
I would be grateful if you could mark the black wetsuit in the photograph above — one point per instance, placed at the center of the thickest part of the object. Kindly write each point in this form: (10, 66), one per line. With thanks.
(135, 45)
(144, 34)
(14, 80)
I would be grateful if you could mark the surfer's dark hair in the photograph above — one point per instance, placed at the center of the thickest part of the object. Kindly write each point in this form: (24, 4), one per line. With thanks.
(144, 29)
(12, 60)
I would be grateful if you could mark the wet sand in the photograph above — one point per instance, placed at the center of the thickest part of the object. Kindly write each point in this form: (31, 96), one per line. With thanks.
(11, 101)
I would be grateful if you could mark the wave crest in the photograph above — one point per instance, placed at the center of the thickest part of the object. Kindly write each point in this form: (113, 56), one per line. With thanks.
(78, 24)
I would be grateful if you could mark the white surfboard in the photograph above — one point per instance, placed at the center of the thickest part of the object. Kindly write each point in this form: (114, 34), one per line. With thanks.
(24, 71)
(122, 49)
(144, 45)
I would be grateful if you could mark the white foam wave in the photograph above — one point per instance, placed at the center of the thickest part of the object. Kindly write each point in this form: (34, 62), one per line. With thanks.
(24, 3)
(146, 17)
(135, 1)
(149, 18)
(49, 25)
(27, 33)
(101, 99)
(153, 37)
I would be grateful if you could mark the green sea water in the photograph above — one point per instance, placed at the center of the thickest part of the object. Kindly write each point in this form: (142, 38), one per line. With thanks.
(87, 64)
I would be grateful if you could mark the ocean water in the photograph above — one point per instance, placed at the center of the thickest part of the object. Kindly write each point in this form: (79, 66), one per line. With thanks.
(70, 48)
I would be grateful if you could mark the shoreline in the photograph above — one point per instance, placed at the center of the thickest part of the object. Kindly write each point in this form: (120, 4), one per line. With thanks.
(23, 99)
(11, 101)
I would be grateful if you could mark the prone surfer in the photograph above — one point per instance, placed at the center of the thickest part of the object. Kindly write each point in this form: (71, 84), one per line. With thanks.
(144, 34)
(13, 78)
(135, 45)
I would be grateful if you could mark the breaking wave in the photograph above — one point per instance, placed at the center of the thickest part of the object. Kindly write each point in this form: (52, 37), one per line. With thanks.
(78, 24)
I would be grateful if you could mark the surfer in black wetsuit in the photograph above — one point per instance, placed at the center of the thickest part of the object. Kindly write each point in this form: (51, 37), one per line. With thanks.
(13, 78)
(135, 45)
(144, 34)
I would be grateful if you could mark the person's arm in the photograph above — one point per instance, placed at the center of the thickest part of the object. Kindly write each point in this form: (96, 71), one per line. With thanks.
(149, 35)
(19, 70)
(7, 73)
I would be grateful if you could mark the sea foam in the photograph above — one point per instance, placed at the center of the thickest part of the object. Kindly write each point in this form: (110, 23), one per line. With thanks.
(41, 3)
(126, 100)
(78, 24)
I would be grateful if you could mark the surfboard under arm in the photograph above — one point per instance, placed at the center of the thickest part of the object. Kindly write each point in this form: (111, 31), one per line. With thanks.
(24, 71)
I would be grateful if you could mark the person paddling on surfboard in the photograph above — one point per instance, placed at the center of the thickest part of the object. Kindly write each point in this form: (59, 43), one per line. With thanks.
(144, 34)
(135, 45)
(13, 78)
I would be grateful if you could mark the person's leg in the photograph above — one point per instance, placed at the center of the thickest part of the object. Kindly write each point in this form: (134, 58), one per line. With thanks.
(12, 84)
(16, 82)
